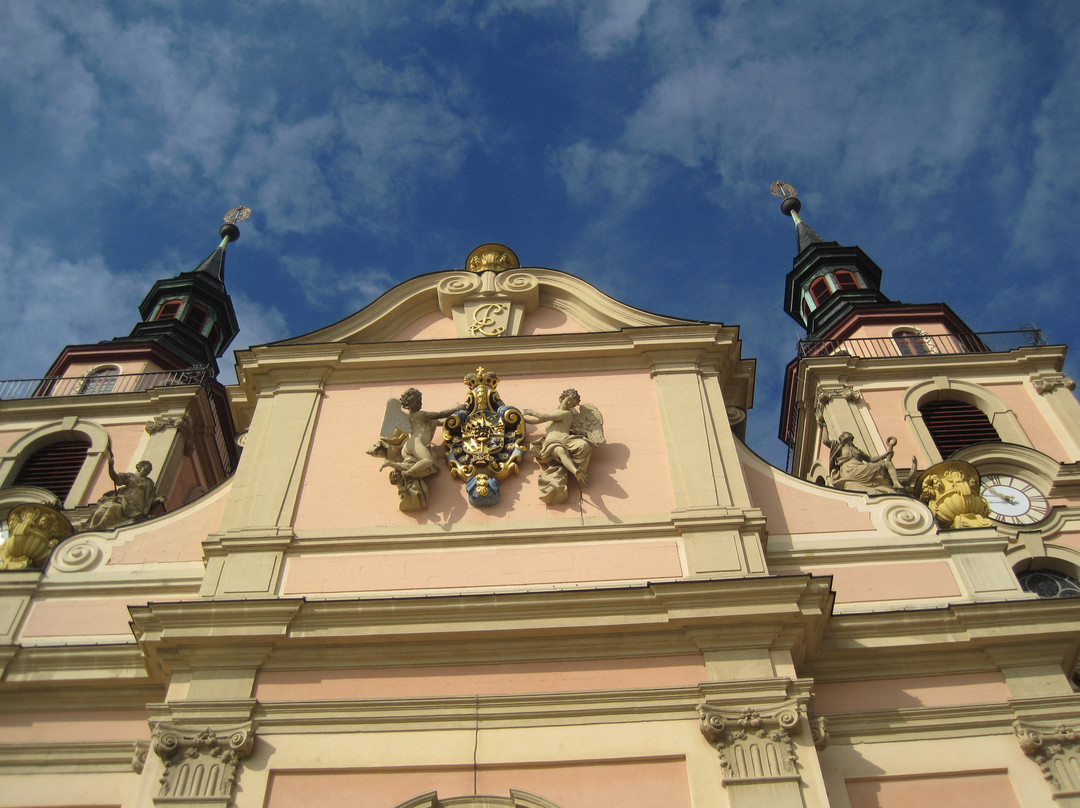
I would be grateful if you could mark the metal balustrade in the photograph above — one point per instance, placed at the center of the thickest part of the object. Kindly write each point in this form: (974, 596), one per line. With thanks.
(916, 344)
(96, 385)
(909, 344)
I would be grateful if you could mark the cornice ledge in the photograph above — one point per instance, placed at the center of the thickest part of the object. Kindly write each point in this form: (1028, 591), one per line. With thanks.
(249, 539)
(200, 713)
(212, 623)
(58, 665)
(631, 529)
(682, 604)
(461, 711)
(60, 757)
(920, 722)
(769, 690)
(49, 697)
(982, 624)
(717, 517)
(199, 616)
(1054, 709)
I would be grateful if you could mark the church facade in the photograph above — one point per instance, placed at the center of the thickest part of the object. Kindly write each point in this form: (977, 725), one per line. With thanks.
(496, 540)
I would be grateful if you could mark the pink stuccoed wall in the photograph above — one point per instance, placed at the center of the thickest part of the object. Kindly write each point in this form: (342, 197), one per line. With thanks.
(910, 691)
(82, 617)
(505, 566)
(983, 789)
(794, 507)
(344, 488)
(124, 440)
(1022, 400)
(69, 725)
(894, 581)
(177, 536)
(643, 783)
(8, 437)
(485, 680)
(887, 412)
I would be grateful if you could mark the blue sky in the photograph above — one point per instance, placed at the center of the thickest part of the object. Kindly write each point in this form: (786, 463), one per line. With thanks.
(629, 142)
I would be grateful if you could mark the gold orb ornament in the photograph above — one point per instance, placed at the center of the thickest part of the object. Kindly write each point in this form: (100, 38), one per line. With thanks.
(237, 214)
(782, 190)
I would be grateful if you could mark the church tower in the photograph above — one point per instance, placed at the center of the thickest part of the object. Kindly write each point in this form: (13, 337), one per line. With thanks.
(150, 396)
(916, 380)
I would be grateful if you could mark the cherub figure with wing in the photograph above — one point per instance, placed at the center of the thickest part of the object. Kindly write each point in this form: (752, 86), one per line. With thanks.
(405, 442)
(566, 447)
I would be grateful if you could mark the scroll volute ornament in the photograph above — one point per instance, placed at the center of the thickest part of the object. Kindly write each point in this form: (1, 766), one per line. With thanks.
(755, 743)
(200, 766)
(33, 531)
(1055, 748)
(951, 489)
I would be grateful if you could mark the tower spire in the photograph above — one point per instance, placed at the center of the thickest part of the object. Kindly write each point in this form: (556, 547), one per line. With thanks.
(804, 233)
(192, 315)
(827, 280)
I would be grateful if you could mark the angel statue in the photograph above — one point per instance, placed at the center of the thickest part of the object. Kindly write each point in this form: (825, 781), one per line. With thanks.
(405, 442)
(567, 445)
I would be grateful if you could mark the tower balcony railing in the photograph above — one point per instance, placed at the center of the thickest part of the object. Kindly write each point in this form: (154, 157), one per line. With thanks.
(117, 383)
(911, 343)
(55, 386)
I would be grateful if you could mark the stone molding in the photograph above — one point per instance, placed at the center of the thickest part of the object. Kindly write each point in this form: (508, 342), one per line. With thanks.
(53, 758)
(181, 423)
(200, 766)
(488, 304)
(827, 394)
(1056, 750)
(77, 555)
(1048, 382)
(517, 799)
(755, 743)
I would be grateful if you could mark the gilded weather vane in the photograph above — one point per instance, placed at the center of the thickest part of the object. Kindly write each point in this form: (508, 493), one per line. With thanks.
(782, 190)
(237, 214)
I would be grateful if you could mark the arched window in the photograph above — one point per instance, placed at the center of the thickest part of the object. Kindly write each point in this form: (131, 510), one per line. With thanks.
(169, 309)
(63, 457)
(196, 317)
(819, 290)
(846, 279)
(517, 799)
(54, 466)
(911, 342)
(100, 380)
(1047, 584)
(955, 424)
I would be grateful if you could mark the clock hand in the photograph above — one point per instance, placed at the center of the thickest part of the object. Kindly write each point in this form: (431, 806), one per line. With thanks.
(1004, 497)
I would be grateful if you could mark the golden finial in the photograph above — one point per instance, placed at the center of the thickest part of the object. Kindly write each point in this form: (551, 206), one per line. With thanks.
(782, 190)
(237, 214)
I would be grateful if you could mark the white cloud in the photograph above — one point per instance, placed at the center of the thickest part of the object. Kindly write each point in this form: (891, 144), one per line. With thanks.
(53, 302)
(45, 82)
(1046, 220)
(807, 85)
(345, 291)
(609, 24)
(595, 175)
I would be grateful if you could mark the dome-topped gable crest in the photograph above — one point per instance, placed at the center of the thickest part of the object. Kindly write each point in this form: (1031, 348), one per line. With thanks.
(493, 297)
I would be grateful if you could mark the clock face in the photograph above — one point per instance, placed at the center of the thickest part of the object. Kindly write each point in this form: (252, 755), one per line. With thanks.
(1013, 500)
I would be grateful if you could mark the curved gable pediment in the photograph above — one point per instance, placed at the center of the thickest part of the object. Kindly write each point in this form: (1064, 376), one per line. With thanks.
(464, 304)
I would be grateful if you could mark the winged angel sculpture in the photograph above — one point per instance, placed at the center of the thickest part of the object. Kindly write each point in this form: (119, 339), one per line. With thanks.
(405, 442)
(567, 445)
